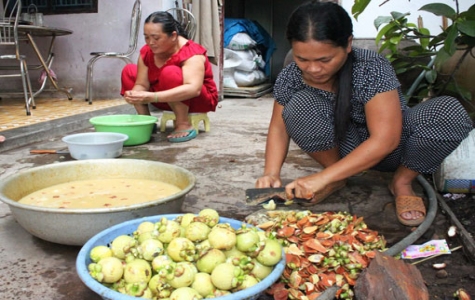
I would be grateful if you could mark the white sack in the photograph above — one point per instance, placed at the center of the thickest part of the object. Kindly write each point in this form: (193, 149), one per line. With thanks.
(250, 60)
(231, 59)
(241, 41)
(244, 79)
(228, 78)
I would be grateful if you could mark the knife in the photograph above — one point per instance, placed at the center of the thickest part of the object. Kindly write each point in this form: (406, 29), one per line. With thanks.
(48, 151)
(260, 196)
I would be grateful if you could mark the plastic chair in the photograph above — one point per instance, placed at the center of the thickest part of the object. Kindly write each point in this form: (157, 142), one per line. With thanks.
(125, 56)
(186, 19)
(193, 118)
(9, 40)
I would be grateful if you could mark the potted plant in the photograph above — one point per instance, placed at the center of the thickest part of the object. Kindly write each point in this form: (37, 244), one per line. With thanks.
(437, 58)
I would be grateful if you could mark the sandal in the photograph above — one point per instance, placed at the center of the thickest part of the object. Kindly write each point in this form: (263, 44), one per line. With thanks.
(191, 135)
(407, 204)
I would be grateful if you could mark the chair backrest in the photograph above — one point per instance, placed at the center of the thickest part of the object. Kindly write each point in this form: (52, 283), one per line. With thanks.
(134, 26)
(9, 24)
(186, 19)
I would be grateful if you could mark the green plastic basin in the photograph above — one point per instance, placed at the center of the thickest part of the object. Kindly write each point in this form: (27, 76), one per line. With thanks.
(137, 127)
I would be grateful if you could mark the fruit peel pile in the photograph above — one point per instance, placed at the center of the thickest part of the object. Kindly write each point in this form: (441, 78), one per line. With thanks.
(322, 250)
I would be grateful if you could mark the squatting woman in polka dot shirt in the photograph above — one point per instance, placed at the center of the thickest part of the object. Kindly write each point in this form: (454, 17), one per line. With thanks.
(343, 106)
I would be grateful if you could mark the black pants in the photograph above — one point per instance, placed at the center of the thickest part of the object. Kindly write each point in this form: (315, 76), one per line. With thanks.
(431, 131)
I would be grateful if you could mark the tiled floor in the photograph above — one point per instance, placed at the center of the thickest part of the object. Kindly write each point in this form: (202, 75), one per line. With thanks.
(13, 114)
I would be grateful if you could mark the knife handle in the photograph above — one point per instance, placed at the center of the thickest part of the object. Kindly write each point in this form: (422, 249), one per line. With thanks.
(42, 151)
(283, 195)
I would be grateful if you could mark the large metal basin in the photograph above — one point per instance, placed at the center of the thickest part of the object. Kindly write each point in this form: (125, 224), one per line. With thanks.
(76, 226)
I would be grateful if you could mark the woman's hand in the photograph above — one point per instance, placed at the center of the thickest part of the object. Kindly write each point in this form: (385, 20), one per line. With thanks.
(306, 187)
(268, 181)
(138, 97)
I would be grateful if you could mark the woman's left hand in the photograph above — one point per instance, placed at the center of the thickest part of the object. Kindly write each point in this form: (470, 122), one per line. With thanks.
(137, 97)
(306, 187)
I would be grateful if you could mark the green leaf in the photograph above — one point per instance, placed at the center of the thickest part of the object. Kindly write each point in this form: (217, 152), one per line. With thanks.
(392, 47)
(358, 7)
(384, 46)
(431, 76)
(382, 20)
(383, 32)
(440, 9)
(460, 92)
(466, 27)
(424, 41)
(466, 94)
(441, 57)
(400, 70)
(467, 40)
(398, 64)
(423, 93)
(398, 16)
(437, 40)
(395, 39)
(469, 14)
(449, 44)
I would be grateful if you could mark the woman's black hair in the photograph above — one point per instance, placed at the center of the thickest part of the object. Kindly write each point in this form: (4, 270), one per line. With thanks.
(330, 23)
(169, 24)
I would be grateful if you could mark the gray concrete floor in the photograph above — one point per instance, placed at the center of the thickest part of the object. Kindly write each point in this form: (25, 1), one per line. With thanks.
(226, 161)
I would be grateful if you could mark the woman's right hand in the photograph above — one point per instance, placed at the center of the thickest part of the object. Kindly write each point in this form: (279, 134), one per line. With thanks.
(268, 181)
(138, 97)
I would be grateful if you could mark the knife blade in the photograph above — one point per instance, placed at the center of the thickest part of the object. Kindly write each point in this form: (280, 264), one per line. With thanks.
(259, 196)
(48, 151)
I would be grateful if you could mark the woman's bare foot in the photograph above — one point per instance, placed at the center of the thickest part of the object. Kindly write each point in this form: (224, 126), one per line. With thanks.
(180, 131)
(2, 138)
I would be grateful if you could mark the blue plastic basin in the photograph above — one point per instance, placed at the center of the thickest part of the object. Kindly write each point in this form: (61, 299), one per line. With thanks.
(107, 236)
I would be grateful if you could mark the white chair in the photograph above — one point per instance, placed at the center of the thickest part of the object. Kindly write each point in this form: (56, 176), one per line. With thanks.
(125, 56)
(186, 19)
(9, 43)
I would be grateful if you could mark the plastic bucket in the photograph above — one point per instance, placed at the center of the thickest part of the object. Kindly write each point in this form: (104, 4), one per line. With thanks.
(456, 174)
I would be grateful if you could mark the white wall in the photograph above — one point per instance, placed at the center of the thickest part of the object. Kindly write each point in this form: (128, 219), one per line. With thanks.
(107, 30)
(364, 27)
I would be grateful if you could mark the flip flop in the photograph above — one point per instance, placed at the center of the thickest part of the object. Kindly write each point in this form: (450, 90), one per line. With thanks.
(410, 203)
(191, 135)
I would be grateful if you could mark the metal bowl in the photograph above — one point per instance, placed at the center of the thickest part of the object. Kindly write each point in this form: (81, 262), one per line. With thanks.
(127, 228)
(95, 145)
(76, 226)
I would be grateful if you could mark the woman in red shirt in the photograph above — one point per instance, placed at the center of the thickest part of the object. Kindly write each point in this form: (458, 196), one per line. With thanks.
(173, 73)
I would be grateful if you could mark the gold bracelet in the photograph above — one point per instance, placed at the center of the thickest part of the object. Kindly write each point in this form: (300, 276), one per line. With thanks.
(155, 99)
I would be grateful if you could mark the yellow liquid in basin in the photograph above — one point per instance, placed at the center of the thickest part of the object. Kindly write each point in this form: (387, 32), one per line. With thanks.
(100, 193)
